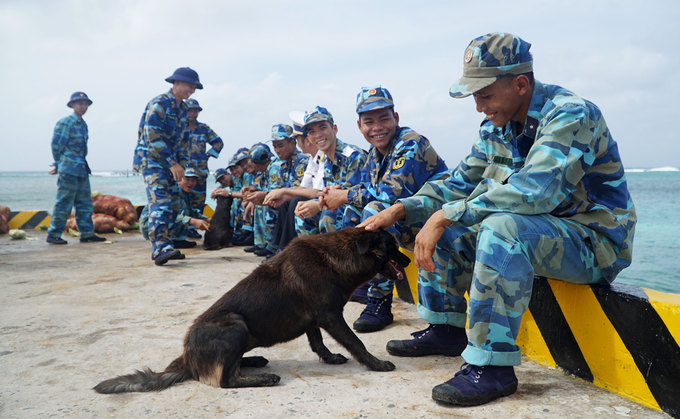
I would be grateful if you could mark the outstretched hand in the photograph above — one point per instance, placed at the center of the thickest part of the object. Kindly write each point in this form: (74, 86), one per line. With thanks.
(427, 239)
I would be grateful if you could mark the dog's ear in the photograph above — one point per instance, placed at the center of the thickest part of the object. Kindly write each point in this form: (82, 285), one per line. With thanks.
(363, 243)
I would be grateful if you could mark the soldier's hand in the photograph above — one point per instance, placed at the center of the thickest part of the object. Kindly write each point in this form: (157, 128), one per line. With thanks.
(427, 239)
(177, 172)
(385, 218)
(53, 170)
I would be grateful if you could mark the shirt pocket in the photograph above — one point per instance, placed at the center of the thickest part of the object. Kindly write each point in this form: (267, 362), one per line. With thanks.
(497, 173)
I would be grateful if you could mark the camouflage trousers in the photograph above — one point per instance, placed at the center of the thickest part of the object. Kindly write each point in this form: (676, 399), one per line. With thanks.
(323, 222)
(264, 221)
(72, 191)
(381, 286)
(179, 231)
(198, 195)
(495, 261)
(162, 193)
(241, 227)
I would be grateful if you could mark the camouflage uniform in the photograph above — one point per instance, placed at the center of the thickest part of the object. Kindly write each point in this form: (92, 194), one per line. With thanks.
(548, 198)
(199, 138)
(69, 148)
(184, 215)
(262, 214)
(162, 141)
(410, 162)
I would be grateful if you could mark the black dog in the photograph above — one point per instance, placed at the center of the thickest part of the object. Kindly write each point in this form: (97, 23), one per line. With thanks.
(221, 233)
(298, 291)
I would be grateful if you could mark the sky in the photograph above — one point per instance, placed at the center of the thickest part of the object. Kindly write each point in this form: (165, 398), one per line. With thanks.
(260, 60)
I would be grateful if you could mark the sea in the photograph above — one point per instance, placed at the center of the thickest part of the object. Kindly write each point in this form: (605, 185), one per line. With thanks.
(656, 194)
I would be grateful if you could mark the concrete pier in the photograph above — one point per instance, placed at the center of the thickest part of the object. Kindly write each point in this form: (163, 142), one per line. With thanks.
(73, 315)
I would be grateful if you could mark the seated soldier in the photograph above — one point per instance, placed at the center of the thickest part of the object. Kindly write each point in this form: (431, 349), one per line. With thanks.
(400, 161)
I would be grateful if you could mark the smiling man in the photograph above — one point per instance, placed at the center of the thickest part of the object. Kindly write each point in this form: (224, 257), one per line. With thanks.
(400, 161)
(543, 192)
(337, 163)
(161, 156)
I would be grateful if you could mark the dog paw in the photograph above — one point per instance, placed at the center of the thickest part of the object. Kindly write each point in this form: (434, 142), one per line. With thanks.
(254, 361)
(335, 359)
(270, 379)
(382, 366)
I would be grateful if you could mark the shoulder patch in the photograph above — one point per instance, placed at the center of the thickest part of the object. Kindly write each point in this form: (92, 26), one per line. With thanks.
(300, 171)
(398, 163)
(348, 151)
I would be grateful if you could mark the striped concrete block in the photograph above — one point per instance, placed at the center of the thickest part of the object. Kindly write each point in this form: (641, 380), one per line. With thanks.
(621, 338)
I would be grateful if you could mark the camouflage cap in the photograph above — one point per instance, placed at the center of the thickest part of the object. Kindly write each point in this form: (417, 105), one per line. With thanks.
(318, 114)
(241, 154)
(281, 132)
(260, 153)
(193, 104)
(190, 173)
(489, 58)
(219, 173)
(372, 98)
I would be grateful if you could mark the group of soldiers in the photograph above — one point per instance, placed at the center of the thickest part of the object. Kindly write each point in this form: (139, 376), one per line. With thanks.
(542, 192)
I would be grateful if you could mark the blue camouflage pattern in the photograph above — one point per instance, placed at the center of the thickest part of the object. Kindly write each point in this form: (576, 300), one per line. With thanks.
(199, 139)
(372, 98)
(410, 162)
(184, 215)
(72, 191)
(551, 200)
(348, 162)
(163, 140)
(69, 146)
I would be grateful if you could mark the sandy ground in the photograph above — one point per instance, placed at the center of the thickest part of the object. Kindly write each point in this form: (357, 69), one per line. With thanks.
(71, 316)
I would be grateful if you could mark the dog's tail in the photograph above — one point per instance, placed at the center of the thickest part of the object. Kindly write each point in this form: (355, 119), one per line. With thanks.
(146, 380)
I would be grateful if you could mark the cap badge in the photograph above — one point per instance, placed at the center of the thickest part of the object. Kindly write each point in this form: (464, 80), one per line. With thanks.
(371, 92)
(468, 56)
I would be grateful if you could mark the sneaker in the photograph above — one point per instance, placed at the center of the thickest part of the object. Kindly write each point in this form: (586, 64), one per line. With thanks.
(376, 315)
(193, 234)
(473, 385)
(252, 249)
(360, 295)
(166, 255)
(92, 238)
(263, 252)
(183, 244)
(437, 339)
(242, 240)
(55, 240)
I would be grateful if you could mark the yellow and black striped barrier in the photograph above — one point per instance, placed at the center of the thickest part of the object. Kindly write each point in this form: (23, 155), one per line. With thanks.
(29, 219)
(620, 337)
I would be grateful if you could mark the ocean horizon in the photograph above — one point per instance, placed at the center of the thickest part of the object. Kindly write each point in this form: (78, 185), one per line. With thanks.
(655, 192)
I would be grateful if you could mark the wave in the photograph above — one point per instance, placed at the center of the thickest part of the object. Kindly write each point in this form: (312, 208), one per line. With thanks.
(655, 169)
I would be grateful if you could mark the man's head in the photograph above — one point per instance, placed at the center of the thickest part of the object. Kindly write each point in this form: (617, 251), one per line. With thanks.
(260, 156)
(223, 177)
(188, 182)
(498, 72)
(300, 134)
(238, 162)
(321, 129)
(283, 141)
(377, 120)
(194, 109)
(184, 82)
(79, 102)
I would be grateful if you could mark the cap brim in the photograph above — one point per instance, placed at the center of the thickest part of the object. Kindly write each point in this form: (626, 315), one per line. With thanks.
(172, 79)
(373, 106)
(469, 85)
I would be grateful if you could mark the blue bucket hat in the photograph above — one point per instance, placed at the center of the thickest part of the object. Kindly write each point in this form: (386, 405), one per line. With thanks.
(185, 74)
(78, 96)
(193, 104)
(241, 154)
(260, 153)
(318, 114)
(490, 57)
(372, 98)
(190, 173)
(281, 132)
(219, 173)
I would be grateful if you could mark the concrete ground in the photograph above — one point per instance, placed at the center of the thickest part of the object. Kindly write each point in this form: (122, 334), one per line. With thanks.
(71, 316)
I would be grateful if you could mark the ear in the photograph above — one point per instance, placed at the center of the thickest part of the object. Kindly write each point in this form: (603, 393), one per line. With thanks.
(363, 243)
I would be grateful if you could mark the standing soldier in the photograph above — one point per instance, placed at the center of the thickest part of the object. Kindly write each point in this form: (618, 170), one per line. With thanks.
(69, 148)
(200, 137)
(161, 156)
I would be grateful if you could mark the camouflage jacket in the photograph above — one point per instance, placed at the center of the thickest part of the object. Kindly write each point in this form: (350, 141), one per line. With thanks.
(290, 172)
(163, 138)
(564, 162)
(410, 162)
(199, 138)
(69, 146)
(349, 160)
